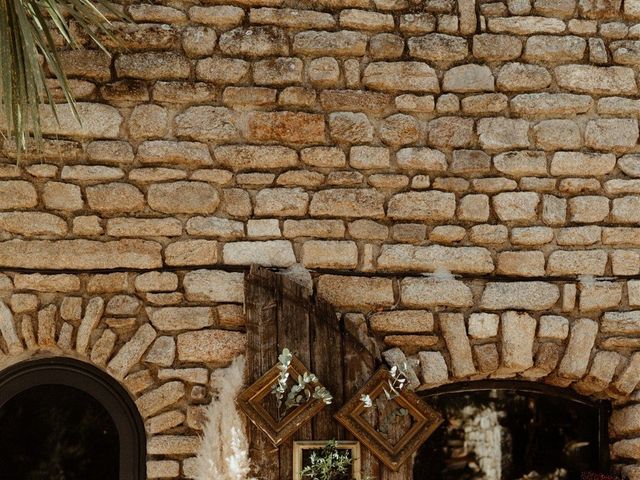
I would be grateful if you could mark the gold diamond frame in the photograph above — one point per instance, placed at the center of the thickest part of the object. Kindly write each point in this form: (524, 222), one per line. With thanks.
(425, 421)
(250, 402)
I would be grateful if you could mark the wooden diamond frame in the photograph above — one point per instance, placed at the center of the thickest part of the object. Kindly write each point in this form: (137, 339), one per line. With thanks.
(250, 402)
(425, 422)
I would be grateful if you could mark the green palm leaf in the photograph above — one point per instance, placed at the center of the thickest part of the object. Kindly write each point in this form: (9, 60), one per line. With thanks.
(27, 43)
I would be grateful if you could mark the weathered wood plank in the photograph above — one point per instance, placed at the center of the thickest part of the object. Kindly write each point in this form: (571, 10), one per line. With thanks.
(358, 366)
(293, 333)
(327, 354)
(261, 324)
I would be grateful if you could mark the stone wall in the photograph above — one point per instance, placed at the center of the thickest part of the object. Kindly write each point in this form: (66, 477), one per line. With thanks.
(461, 178)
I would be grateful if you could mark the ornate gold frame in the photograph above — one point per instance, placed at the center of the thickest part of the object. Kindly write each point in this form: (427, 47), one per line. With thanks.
(425, 422)
(299, 447)
(249, 401)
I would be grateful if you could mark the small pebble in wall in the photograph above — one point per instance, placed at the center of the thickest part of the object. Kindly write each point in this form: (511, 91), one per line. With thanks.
(224, 451)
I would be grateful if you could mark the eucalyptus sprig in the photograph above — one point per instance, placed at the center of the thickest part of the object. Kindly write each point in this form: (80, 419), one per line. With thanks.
(395, 385)
(299, 393)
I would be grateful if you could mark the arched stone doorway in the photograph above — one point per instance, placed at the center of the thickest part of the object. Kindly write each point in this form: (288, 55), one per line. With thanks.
(104, 414)
(514, 429)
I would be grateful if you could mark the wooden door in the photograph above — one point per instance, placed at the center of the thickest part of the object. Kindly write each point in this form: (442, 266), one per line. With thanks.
(281, 313)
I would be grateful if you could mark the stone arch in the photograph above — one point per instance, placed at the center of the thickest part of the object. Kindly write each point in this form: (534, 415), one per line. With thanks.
(49, 334)
(559, 355)
(552, 352)
(87, 378)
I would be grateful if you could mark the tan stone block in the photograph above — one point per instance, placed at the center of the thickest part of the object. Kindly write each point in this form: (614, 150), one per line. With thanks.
(222, 70)
(488, 234)
(267, 253)
(286, 127)
(483, 325)
(400, 129)
(596, 80)
(518, 332)
(206, 123)
(152, 402)
(521, 295)
(490, 47)
(132, 351)
(521, 25)
(32, 224)
(625, 209)
(349, 127)
(550, 104)
(582, 338)
(191, 252)
(503, 133)
(254, 42)
(183, 197)
(531, 235)
(437, 47)
(433, 368)
(402, 321)
(214, 286)
(199, 41)
(180, 153)
(181, 318)
(347, 203)
(215, 347)
(281, 202)
(435, 258)
(358, 293)
(386, 46)
(434, 292)
(547, 48)
(516, 206)
(290, 18)
(487, 357)
(220, 16)
(588, 209)
(474, 208)
(338, 44)
(487, 103)
(520, 77)
(564, 262)
(173, 445)
(611, 134)
(152, 66)
(557, 135)
(468, 78)
(329, 254)
(582, 236)
(451, 132)
(324, 72)
(80, 254)
(428, 206)
(525, 264)
(401, 76)
(455, 336)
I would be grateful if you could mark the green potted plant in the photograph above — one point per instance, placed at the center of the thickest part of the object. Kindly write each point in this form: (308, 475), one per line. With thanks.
(330, 463)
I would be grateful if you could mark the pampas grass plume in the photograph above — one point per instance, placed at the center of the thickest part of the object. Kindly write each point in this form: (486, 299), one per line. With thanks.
(224, 450)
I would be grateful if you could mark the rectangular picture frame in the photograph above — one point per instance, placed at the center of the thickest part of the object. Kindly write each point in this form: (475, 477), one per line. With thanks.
(299, 448)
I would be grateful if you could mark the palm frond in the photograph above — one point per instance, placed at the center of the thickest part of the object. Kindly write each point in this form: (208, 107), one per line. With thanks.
(27, 43)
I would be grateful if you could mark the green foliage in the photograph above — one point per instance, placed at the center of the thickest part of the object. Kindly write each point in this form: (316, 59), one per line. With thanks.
(27, 30)
(329, 464)
(300, 392)
(395, 385)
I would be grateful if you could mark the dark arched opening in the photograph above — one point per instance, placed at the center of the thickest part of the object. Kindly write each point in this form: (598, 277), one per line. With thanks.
(61, 418)
(513, 428)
